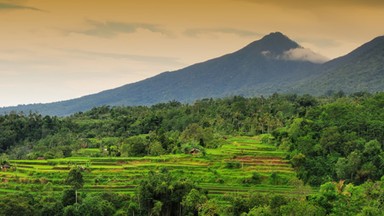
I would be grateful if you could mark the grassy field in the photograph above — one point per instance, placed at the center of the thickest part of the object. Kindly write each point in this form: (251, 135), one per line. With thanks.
(228, 169)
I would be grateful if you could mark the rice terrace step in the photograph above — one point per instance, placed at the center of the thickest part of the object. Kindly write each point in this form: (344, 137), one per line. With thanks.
(224, 170)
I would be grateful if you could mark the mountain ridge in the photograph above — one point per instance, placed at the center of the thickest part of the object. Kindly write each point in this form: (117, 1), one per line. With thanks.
(273, 64)
(362, 69)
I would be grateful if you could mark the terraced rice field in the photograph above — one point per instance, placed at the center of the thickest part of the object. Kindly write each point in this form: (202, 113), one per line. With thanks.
(222, 170)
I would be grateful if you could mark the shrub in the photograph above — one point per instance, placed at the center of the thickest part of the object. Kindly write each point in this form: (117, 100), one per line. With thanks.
(220, 181)
(43, 180)
(256, 178)
(232, 164)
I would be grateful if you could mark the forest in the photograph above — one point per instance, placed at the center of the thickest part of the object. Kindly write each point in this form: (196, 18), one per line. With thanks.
(334, 143)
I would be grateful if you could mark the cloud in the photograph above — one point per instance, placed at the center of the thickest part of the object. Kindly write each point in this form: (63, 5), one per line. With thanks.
(239, 32)
(138, 58)
(10, 6)
(266, 53)
(112, 29)
(302, 54)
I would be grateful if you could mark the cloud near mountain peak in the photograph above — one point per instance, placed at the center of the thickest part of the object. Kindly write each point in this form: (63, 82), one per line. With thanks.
(303, 54)
(297, 54)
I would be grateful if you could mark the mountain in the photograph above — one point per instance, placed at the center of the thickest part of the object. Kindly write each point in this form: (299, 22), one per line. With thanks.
(259, 68)
(272, 64)
(360, 70)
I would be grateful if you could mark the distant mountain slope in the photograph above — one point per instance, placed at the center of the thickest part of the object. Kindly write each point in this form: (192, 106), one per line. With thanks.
(259, 68)
(360, 70)
(272, 64)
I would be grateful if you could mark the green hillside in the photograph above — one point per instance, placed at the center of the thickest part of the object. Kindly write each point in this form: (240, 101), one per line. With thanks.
(281, 155)
(227, 169)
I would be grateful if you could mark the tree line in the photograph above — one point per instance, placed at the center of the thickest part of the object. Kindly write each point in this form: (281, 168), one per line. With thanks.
(162, 193)
(329, 138)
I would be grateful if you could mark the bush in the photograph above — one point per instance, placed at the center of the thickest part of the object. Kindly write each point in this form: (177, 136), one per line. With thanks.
(276, 179)
(232, 164)
(43, 180)
(220, 181)
(256, 178)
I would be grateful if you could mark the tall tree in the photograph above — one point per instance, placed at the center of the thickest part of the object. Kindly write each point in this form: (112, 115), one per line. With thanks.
(75, 179)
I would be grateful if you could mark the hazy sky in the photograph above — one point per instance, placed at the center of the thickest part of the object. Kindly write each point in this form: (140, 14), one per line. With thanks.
(53, 50)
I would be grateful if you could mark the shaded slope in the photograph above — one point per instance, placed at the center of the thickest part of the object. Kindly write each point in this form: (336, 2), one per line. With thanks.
(254, 70)
(260, 68)
(360, 70)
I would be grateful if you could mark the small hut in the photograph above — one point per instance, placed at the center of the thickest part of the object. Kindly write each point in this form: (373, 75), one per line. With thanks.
(5, 167)
(194, 151)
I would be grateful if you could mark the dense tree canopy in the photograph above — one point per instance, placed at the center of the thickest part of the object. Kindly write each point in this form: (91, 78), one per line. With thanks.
(330, 138)
(334, 142)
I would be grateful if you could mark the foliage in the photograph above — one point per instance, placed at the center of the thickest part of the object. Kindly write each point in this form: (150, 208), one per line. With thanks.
(21, 204)
(75, 178)
(256, 178)
(335, 143)
(338, 140)
(137, 131)
(160, 194)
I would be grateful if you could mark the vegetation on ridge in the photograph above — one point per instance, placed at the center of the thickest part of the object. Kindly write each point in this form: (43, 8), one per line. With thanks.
(204, 157)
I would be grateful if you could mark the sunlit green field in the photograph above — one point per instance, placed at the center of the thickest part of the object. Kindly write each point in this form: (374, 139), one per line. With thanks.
(227, 169)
